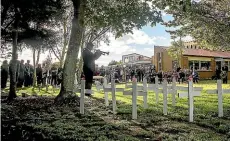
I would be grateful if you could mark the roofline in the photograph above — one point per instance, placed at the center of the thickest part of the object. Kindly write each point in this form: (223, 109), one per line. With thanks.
(161, 46)
(136, 54)
(207, 56)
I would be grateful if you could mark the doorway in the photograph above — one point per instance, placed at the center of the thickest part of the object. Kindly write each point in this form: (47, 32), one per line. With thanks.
(218, 64)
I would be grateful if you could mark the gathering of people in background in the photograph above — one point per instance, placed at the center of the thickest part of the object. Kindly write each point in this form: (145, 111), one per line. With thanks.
(25, 74)
(53, 76)
(222, 73)
(125, 74)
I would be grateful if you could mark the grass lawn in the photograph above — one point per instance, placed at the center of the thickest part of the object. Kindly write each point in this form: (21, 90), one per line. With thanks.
(65, 123)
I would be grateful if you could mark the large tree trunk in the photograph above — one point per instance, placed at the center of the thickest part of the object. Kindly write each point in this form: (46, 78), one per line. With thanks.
(35, 63)
(71, 56)
(34, 73)
(13, 64)
(65, 42)
(38, 56)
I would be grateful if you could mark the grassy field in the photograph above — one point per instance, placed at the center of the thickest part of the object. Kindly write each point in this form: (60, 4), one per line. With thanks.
(100, 124)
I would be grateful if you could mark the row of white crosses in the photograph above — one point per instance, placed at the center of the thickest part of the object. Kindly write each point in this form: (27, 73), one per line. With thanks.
(189, 92)
(219, 91)
(143, 91)
(164, 89)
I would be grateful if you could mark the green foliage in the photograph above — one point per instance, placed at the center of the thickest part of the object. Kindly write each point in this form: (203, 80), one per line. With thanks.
(120, 15)
(207, 21)
(176, 50)
(114, 62)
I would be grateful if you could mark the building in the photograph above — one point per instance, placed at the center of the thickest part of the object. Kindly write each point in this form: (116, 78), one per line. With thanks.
(206, 61)
(137, 59)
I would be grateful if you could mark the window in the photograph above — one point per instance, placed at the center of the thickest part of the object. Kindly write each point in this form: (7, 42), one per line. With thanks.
(191, 46)
(200, 65)
(160, 67)
(195, 47)
(159, 56)
(228, 64)
(205, 65)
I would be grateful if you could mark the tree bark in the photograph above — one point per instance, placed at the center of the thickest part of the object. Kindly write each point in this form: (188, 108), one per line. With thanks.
(34, 73)
(64, 42)
(35, 63)
(38, 56)
(13, 64)
(70, 66)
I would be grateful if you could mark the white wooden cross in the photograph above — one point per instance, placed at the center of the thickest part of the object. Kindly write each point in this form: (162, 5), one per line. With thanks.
(105, 85)
(156, 88)
(172, 90)
(165, 93)
(220, 93)
(82, 96)
(113, 90)
(137, 91)
(191, 92)
(99, 86)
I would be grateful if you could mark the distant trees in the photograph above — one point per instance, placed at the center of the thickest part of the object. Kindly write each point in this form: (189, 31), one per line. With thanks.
(25, 19)
(113, 62)
(207, 21)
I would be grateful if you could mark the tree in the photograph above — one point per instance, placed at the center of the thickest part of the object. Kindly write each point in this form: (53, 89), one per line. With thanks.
(207, 21)
(120, 16)
(176, 50)
(114, 62)
(71, 56)
(37, 45)
(17, 17)
(177, 46)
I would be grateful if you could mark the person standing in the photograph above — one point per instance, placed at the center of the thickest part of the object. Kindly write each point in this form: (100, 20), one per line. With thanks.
(39, 74)
(21, 74)
(28, 74)
(225, 74)
(59, 76)
(218, 73)
(89, 65)
(53, 75)
(4, 73)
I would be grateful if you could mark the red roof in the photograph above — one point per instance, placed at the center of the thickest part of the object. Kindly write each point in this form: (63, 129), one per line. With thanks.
(206, 53)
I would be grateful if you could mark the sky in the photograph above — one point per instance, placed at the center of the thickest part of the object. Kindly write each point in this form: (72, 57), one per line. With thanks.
(141, 41)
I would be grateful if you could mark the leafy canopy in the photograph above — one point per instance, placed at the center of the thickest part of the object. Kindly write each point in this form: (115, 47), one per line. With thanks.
(207, 21)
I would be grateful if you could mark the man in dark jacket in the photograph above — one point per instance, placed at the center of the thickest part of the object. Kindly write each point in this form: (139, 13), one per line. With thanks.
(21, 74)
(39, 74)
(4, 74)
(225, 77)
(28, 74)
(89, 65)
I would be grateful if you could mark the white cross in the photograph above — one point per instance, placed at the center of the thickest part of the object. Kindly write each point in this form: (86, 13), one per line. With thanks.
(156, 88)
(113, 90)
(220, 93)
(137, 91)
(82, 96)
(191, 92)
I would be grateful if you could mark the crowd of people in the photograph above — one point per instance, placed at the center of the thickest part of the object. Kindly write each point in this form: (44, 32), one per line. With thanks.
(53, 76)
(25, 74)
(125, 74)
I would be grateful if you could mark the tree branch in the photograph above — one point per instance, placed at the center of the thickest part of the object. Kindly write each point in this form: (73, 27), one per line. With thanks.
(52, 49)
(101, 33)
